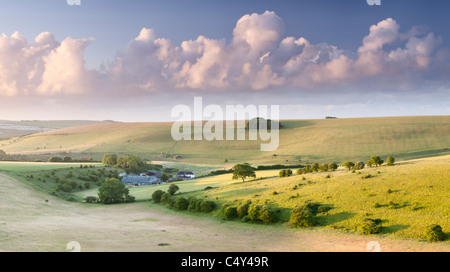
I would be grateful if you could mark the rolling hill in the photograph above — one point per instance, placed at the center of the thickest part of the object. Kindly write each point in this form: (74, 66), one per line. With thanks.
(306, 140)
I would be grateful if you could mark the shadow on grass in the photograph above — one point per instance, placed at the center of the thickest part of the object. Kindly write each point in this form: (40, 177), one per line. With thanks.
(330, 219)
(393, 228)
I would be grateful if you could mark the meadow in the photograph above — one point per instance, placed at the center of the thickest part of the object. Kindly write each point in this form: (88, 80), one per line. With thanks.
(300, 140)
(406, 197)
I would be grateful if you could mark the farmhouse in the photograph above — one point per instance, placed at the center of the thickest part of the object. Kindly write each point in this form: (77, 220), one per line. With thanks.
(139, 180)
(186, 175)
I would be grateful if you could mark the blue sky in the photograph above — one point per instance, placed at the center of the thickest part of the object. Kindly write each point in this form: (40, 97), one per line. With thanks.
(325, 24)
(114, 22)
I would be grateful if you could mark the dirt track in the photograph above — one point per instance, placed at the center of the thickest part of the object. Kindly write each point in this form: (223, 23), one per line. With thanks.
(29, 223)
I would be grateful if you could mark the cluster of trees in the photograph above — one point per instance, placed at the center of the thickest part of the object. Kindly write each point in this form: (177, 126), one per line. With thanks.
(315, 167)
(59, 159)
(130, 163)
(374, 161)
(181, 203)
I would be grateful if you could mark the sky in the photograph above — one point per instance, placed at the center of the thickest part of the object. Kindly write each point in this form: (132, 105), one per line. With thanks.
(136, 60)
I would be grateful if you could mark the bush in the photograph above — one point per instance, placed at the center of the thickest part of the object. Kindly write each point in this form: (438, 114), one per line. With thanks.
(173, 189)
(113, 191)
(181, 204)
(390, 161)
(156, 196)
(434, 233)
(192, 203)
(242, 210)
(230, 212)
(207, 206)
(253, 212)
(166, 198)
(370, 226)
(266, 215)
(301, 217)
(91, 199)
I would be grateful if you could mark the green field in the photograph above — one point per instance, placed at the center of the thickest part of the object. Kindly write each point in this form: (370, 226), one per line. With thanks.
(411, 195)
(25, 167)
(305, 140)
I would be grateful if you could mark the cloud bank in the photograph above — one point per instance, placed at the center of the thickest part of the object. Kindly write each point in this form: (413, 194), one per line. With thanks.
(258, 58)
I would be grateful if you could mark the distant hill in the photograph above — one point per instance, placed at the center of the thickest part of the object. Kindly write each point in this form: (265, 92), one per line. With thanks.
(10, 129)
(306, 140)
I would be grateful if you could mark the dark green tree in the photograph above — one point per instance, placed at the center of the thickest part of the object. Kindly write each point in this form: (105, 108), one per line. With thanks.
(113, 191)
(243, 171)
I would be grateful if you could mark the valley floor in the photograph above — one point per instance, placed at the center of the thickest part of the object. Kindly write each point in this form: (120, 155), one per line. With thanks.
(30, 223)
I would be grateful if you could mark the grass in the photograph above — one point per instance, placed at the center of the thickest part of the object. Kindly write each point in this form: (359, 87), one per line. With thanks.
(409, 196)
(25, 167)
(305, 140)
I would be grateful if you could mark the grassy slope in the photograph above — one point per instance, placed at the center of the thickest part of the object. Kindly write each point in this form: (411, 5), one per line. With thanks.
(420, 191)
(310, 140)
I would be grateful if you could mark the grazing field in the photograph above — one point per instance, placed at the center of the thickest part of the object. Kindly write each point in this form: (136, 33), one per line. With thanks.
(24, 167)
(34, 221)
(406, 197)
(305, 140)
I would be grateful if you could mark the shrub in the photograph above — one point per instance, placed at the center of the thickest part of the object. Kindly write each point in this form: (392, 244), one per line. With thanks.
(91, 199)
(434, 233)
(370, 226)
(390, 161)
(285, 173)
(166, 198)
(230, 212)
(130, 198)
(173, 189)
(376, 205)
(87, 185)
(156, 196)
(181, 204)
(113, 191)
(301, 217)
(207, 206)
(359, 165)
(266, 215)
(192, 203)
(242, 210)
(253, 212)
(198, 205)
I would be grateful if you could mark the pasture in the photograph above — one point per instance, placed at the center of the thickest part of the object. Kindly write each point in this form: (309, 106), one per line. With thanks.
(305, 140)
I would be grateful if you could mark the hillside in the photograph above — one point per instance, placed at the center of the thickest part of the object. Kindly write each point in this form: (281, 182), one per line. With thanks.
(406, 197)
(305, 140)
(10, 129)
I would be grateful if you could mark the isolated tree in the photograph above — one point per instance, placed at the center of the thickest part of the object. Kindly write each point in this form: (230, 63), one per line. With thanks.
(243, 171)
(113, 191)
(390, 161)
(369, 163)
(349, 165)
